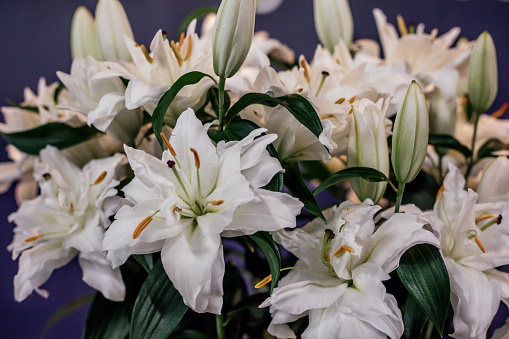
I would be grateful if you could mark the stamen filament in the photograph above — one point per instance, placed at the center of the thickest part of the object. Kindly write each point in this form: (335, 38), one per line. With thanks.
(494, 221)
(479, 243)
(268, 278)
(440, 190)
(145, 53)
(343, 249)
(304, 65)
(498, 113)
(100, 178)
(324, 76)
(197, 163)
(143, 224)
(181, 41)
(34, 238)
(176, 52)
(188, 51)
(170, 148)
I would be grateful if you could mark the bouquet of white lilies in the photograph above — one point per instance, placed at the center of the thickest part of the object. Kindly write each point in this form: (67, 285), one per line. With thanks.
(207, 194)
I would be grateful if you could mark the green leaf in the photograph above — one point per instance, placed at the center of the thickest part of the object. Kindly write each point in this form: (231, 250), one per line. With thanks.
(145, 260)
(159, 307)
(253, 301)
(197, 14)
(296, 104)
(109, 319)
(491, 146)
(55, 134)
(271, 251)
(447, 141)
(424, 274)
(190, 78)
(68, 309)
(297, 187)
(369, 174)
(32, 109)
(414, 319)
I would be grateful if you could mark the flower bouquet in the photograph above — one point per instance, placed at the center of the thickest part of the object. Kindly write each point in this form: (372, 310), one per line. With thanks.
(216, 186)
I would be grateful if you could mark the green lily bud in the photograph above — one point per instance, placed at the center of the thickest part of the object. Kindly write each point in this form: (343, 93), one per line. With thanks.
(410, 137)
(232, 35)
(83, 34)
(333, 22)
(483, 74)
(442, 116)
(367, 147)
(111, 25)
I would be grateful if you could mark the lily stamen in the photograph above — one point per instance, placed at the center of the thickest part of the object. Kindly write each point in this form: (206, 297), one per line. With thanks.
(268, 278)
(174, 210)
(440, 190)
(352, 99)
(402, 25)
(494, 221)
(217, 202)
(304, 65)
(170, 148)
(343, 249)
(181, 41)
(143, 224)
(479, 243)
(188, 51)
(498, 113)
(34, 238)
(176, 52)
(145, 53)
(340, 101)
(100, 178)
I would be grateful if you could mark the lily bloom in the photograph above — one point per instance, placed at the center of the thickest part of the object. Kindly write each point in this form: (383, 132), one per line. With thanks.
(197, 193)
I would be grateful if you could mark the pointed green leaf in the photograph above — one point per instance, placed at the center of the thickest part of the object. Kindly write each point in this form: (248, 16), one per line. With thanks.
(56, 134)
(66, 310)
(158, 308)
(366, 173)
(111, 320)
(271, 251)
(252, 301)
(190, 78)
(197, 14)
(447, 141)
(424, 274)
(247, 100)
(491, 146)
(414, 319)
(145, 260)
(297, 187)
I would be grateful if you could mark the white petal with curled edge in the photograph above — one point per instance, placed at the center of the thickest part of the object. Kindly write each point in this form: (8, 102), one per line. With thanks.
(138, 93)
(103, 278)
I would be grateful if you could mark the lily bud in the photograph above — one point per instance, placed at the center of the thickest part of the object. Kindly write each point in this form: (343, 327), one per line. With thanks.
(367, 147)
(442, 116)
(111, 26)
(410, 136)
(494, 185)
(333, 22)
(83, 34)
(232, 35)
(483, 74)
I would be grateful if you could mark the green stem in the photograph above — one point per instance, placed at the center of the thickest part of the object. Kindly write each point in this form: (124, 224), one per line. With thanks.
(399, 196)
(440, 169)
(222, 81)
(471, 162)
(219, 326)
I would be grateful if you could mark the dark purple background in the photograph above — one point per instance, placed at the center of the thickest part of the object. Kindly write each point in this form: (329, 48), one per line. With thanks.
(35, 43)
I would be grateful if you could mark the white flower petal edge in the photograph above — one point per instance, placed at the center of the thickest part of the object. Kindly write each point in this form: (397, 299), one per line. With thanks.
(197, 193)
(67, 219)
(337, 281)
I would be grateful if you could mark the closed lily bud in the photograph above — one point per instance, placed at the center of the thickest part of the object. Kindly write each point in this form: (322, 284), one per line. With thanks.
(232, 35)
(410, 136)
(83, 42)
(442, 116)
(367, 147)
(111, 25)
(333, 22)
(483, 74)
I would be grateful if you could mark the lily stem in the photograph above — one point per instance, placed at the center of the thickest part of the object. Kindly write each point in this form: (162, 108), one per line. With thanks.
(471, 162)
(219, 326)
(399, 196)
(222, 81)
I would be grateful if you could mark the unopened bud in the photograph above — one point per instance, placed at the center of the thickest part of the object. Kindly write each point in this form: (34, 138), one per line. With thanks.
(333, 22)
(483, 74)
(442, 116)
(111, 25)
(410, 137)
(83, 40)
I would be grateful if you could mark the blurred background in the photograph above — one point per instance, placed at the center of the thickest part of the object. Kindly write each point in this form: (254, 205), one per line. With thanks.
(35, 43)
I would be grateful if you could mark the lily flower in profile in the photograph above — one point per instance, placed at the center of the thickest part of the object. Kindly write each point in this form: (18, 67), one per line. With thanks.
(66, 220)
(197, 193)
(337, 281)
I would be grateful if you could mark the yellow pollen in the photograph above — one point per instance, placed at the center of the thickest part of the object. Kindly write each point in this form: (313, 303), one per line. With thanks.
(188, 51)
(34, 238)
(343, 248)
(142, 226)
(264, 282)
(145, 53)
(176, 52)
(501, 110)
(304, 65)
(484, 217)
(196, 157)
(347, 208)
(352, 99)
(340, 101)
(71, 208)
(181, 41)
(479, 243)
(167, 143)
(402, 25)
(100, 178)
(217, 202)
(136, 44)
(440, 190)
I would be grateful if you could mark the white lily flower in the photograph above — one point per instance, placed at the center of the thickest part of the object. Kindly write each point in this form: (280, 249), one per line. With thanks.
(111, 26)
(183, 204)
(67, 220)
(475, 240)
(102, 100)
(337, 281)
